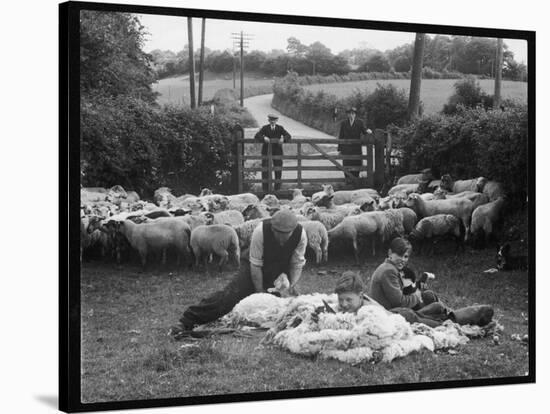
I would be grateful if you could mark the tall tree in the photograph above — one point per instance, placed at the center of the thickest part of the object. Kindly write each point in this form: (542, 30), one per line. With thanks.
(416, 76)
(112, 61)
(498, 74)
(295, 47)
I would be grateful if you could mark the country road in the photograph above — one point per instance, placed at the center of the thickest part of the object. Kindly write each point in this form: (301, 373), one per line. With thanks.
(259, 107)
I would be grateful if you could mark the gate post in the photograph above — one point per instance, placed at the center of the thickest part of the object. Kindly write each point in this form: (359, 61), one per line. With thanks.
(379, 168)
(237, 148)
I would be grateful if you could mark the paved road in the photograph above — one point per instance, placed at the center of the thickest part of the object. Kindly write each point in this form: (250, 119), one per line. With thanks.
(259, 107)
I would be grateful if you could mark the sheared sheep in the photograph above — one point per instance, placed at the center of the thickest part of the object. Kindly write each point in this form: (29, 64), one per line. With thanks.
(435, 227)
(459, 207)
(216, 239)
(458, 186)
(160, 234)
(484, 219)
(382, 225)
(317, 239)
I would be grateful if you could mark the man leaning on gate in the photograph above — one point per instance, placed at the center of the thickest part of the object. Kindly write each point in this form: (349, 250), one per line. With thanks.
(265, 135)
(352, 129)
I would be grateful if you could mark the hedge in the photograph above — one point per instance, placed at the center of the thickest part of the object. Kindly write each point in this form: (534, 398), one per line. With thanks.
(142, 147)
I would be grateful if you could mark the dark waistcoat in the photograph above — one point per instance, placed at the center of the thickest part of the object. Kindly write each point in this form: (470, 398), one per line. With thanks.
(277, 257)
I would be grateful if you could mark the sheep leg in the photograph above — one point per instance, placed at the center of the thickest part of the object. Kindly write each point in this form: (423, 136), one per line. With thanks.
(355, 250)
(318, 254)
(223, 259)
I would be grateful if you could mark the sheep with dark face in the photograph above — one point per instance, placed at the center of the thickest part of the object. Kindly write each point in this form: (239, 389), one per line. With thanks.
(255, 211)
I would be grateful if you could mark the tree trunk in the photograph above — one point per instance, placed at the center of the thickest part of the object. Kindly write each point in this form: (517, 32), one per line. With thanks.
(416, 76)
(498, 75)
(201, 62)
(191, 62)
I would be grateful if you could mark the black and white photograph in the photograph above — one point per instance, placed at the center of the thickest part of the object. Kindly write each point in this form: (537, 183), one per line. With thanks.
(286, 206)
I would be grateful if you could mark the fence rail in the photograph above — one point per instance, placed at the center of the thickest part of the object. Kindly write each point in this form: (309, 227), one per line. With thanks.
(375, 162)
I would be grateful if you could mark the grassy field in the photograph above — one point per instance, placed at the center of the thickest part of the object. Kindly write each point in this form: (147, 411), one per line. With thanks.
(176, 90)
(434, 93)
(126, 315)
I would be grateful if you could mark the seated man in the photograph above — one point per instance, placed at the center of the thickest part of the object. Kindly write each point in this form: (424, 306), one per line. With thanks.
(277, 246)
(349, 289)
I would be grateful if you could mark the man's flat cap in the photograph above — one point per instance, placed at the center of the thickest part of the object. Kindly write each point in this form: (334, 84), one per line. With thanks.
(284, 221)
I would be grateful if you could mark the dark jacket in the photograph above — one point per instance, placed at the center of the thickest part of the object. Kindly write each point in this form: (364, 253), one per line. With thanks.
(386, 287)
(266, 131)
(348, 131)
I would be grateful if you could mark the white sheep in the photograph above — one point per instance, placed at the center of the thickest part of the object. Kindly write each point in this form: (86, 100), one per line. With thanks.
(298, 199)
(459, 207)
(216, 239)
(475, 197)
(409, 218)
(91, 196)
(425, 175)
(244, 232)
(434, 227)
(317, 239)
(254, 211)
(160, 234)
(271, 201)
(493, 190)
(231, 217)
(403, 188)
(381, 225)
(458, 186)
(329, 218)
(195, 220)
(484, 218)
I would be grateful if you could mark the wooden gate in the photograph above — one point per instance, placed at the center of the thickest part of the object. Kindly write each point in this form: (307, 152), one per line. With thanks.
(298, 156)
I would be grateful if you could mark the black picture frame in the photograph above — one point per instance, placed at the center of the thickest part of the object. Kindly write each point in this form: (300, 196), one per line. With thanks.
(69, 154)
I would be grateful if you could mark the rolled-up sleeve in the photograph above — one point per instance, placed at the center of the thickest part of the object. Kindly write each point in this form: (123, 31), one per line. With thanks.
(256, 250)
(298, 260)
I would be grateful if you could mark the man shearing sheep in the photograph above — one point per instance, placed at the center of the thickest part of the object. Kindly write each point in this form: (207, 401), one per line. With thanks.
(277, 246)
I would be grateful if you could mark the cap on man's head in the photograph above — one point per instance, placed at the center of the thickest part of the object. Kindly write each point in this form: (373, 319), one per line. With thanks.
(351, 109)
(272, 116)
(284, 221)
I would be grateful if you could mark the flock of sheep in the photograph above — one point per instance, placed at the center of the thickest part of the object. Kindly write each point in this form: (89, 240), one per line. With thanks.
(195, 228)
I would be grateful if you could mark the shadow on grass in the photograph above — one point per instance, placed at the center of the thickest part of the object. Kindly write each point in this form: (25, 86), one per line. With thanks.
(48, 400)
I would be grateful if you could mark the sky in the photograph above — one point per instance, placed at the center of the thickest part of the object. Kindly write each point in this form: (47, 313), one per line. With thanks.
(170, 33)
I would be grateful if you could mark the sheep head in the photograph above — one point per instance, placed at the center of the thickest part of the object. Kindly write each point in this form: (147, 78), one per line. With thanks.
(324, 201)
(446, 182)
(327, 188)
(205, 192)
(480, 183)
(440, 194)
(297, 192)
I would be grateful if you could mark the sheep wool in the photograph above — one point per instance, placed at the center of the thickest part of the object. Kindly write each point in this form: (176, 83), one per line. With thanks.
(373, 334)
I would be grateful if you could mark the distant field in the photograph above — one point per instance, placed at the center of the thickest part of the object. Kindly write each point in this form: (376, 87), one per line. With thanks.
(176, 90)
(434, 93)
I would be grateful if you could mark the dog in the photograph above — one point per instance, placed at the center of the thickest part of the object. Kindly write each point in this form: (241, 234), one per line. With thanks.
(506, 261)
(410, 282)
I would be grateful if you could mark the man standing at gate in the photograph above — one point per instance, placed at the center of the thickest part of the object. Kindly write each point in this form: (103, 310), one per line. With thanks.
(265, 134)
(352, 128)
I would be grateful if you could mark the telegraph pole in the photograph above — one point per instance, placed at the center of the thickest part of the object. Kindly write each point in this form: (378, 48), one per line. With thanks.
(191, 62)
(201, 62)
(243, 42)
(416, 76)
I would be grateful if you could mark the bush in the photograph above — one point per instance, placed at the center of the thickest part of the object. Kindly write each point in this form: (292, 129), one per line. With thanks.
(126, 141)
(468, 94)
(470, 143)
